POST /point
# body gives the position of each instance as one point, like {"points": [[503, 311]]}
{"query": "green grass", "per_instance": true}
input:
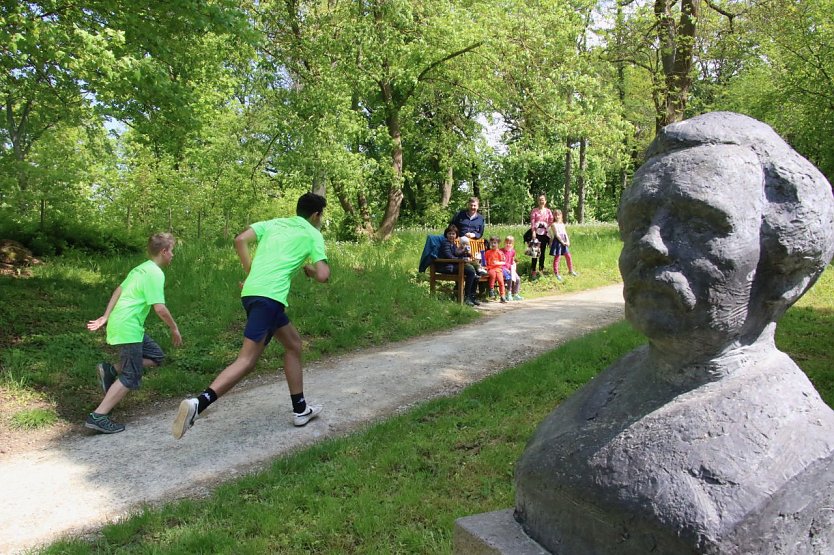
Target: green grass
{"points": [[375, 296], [33, 418], [398, 486], [394, 488]]}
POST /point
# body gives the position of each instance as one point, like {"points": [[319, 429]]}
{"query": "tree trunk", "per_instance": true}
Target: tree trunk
{"points": [[395, 192], [677, 47], [476, 181], [365, 212], [580, 181], [43, 212], [446, 189], [566, 199], [319, 184]]}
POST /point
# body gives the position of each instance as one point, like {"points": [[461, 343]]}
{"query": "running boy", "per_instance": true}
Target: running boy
{"points": [[284, 244], [143, 288]]}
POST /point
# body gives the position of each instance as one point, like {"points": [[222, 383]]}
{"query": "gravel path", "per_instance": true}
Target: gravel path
{"points": [[81, 483]]}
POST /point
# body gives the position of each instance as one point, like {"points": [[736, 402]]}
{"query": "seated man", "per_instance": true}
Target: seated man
{"points": [[469, 222], [709, 439]]}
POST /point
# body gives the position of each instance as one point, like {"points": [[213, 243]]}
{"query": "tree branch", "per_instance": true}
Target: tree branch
{"points": [[442, 60]]}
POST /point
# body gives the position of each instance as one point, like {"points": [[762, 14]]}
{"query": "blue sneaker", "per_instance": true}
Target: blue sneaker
{"points": [[518, 297], [558, 277], [102, 423], [106, 375]]}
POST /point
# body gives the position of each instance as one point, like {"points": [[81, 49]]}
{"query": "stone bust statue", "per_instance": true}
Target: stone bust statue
{"points": [[708, 439]]}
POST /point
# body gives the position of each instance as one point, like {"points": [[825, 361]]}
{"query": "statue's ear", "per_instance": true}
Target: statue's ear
{"points": [[796, 235]]}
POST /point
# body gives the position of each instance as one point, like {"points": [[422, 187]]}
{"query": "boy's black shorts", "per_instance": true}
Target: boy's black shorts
{"points": [[264, 316]]}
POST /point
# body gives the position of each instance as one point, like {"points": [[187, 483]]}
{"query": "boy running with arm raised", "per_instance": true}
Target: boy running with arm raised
{"points": [[143, 288], [284, 244]]}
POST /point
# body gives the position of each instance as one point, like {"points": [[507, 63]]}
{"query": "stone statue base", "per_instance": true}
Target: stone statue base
{"points": [[495, 533], [641, 461]]}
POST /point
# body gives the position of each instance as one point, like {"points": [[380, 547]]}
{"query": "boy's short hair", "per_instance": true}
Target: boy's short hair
{"points": [[450, 227], [309, 204], [494, 238], [159, 242]]}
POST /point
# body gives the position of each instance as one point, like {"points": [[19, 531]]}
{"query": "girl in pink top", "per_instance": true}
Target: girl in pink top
{"points": [[510, 267], [540, 219]]}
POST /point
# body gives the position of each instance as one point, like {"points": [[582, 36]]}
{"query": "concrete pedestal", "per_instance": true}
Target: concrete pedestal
{"points": [[495, 533]]}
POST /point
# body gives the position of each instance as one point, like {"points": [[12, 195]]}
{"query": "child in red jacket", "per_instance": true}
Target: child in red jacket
{"points": [[495, 262]]}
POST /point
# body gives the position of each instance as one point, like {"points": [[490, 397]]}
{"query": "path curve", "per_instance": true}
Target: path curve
{"points": [[81, 483]]}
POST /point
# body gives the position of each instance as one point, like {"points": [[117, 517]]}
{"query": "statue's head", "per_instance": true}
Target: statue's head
{"points": [[724, 227]]}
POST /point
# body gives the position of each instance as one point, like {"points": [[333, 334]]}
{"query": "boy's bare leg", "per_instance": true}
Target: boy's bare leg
{"points": [[249, 354], [115, 394], [291, 340]]}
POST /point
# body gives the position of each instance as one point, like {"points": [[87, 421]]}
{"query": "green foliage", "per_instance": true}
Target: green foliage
{"points": [[32, 419], [59, 237], [198, 117]]}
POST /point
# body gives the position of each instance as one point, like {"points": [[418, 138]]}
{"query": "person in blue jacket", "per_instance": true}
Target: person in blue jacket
{"points": [[449, 250], [469, 222]]}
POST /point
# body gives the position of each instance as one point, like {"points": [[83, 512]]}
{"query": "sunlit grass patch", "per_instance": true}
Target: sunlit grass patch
{"points": [[33, 418]]}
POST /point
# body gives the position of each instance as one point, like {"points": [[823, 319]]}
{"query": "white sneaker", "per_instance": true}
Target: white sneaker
{"points": [[186, 415], [302, 419]]}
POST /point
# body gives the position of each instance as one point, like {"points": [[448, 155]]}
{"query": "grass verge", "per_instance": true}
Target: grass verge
{"points": [[398, 486], [375, 296]]}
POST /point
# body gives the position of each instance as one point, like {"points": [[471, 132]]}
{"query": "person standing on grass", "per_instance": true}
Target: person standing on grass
{"points": [[284, 244], [143, 288], [560, 245], [540, 219]]}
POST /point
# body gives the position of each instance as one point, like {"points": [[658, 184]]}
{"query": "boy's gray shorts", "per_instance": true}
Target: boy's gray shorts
{"points": [[131, 355]]}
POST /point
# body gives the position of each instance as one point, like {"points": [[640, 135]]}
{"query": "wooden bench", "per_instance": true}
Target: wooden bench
{"points": [[457, 277]]}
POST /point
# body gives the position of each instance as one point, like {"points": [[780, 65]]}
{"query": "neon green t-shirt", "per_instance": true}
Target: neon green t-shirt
{"points": [[284, 244], [143, 287]]}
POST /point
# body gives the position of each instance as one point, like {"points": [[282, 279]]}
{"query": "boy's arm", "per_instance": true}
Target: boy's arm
{"points": [[242, 241], [320, 271], [93, 325], [162, 311]]}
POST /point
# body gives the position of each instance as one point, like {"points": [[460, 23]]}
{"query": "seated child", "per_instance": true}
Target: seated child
{"points": [[496, 261], [466, 248], [510, 273]]}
